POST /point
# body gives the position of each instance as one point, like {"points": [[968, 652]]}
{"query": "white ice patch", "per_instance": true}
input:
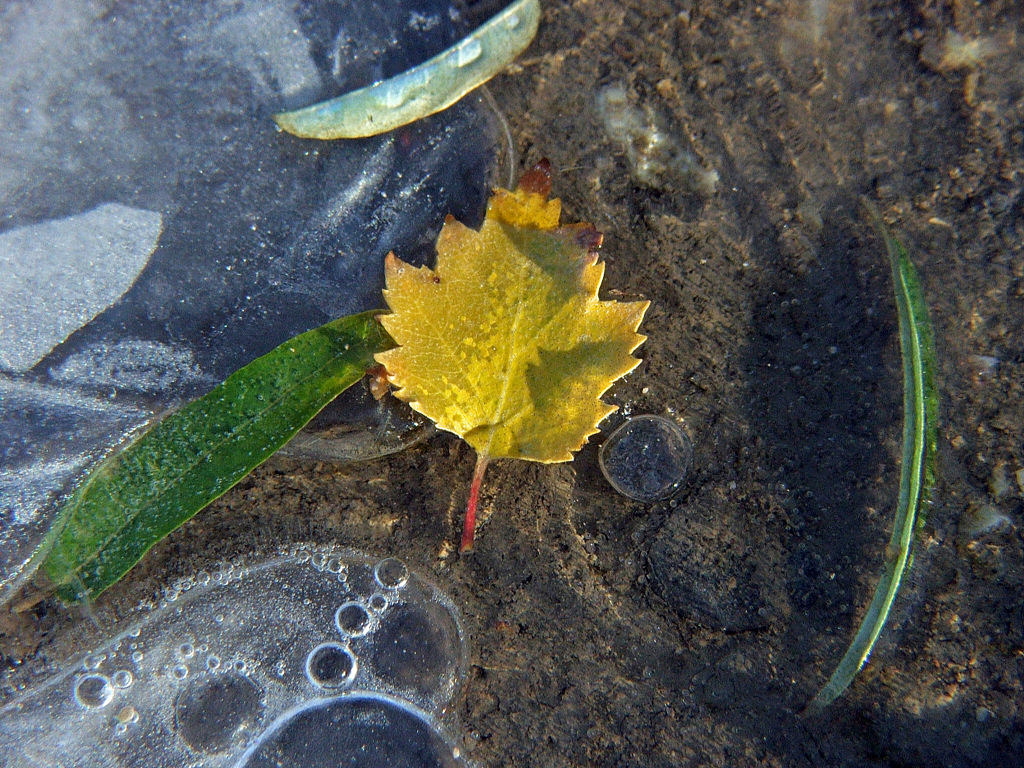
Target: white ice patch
{"points": [[39, 42], [58, 275], [265, 40], [144, 366]]}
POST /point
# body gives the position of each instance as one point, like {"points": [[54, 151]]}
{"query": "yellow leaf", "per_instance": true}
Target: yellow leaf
{"points": [[505, 343]]}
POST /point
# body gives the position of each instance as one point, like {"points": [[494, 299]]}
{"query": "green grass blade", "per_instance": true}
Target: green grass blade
{"points": [[917, 470], [142, 493]]}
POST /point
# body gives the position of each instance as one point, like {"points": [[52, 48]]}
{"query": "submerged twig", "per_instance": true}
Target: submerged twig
{"points": [[469, 524], [920, 407]]}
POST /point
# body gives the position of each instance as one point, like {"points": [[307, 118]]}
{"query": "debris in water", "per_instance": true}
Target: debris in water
{"points": [[657, 159]]}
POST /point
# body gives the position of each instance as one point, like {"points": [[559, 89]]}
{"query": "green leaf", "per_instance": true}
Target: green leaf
{"points": [[917, 470], [141, 494]]}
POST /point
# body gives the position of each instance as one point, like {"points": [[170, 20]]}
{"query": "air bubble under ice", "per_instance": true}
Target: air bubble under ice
{"points": [[255, 669], [646, 458], [157, 231]]}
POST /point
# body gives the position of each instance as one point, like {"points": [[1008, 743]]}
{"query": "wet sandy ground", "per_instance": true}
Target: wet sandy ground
{"points": [[606, 632]]}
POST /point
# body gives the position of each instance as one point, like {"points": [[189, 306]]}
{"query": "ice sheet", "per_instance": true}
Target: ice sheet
{"points": [[58, 275], [321, 655], [146, 126]]}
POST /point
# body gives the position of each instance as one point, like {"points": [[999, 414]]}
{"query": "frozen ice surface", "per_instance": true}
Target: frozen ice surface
{"points": [[265, 40], [365, 731], [318, 657], [646, 458], [48, 435], [58, 275], [157, 231]]}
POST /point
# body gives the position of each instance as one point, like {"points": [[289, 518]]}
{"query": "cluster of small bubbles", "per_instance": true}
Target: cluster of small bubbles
{"points": [[203, 578], [125, 717], [213, 673], [145, 606], [391, 573], [93, 691], [352, 619]]}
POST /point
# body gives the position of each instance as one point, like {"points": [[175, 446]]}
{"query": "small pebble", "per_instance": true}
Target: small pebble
{"points": [[981, 519], [999, 483]]}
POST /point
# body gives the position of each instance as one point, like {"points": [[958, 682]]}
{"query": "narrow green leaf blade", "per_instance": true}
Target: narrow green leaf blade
{"points": [[917, 469], [141, 494]]}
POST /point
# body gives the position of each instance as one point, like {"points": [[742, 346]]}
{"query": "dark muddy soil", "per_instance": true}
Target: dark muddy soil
{"points": [[607, 632]]}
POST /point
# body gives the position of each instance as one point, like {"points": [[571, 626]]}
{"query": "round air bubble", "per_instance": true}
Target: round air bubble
{"points": [[93, 691], [352, 619], [331, 666], [391, 573], [355, 731], [646, 458], [229, 669]]}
